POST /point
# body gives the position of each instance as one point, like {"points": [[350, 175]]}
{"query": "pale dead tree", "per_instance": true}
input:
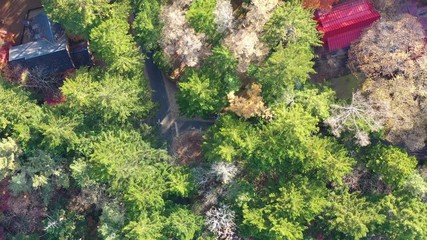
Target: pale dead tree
{"points": [[212, 183], [182, 3], [389, 48], [39, 78], [417, 186], [259, 12], [393, 54], [388, 8], [244, 41], [180, 42], [220, 221], [224, 172], [223, 15], [359, 117], [400, 104]]}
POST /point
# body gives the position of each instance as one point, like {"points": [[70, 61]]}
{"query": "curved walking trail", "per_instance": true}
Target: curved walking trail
{"points": [[171, 124]]}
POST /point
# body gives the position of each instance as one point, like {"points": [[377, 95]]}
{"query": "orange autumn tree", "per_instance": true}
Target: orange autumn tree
{"points": [[319, 4], [249, 104]]}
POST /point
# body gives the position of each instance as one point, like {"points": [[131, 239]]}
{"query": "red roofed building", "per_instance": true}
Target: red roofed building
{"points": [[345, 23]]}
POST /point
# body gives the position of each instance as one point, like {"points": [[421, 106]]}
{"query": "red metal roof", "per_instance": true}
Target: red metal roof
{"points": [[345, 22], [343, 40]]}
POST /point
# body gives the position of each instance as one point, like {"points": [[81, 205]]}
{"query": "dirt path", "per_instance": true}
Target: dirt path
{"points": [[170, 122]]}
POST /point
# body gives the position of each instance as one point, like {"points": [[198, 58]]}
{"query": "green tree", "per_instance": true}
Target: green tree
{"points": [[9, 157], [112, 220], [291, 24], [79, 16], [40, 171], [112, 42], [285, 69], [351, 216], [182, 224], [105, 97], [59, 131], [63, 225], [287, 213], [18, 113], [203, 92], [201, 17], [406, 218], [146, 227], [147, 24], [416, 186], [391, 163]]}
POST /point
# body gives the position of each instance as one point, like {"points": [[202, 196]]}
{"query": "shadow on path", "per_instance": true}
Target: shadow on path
{"points": [[167, 117]]}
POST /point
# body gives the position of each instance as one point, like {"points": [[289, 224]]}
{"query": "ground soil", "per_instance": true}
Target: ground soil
{"points": [[13, 12], [187, 148]]}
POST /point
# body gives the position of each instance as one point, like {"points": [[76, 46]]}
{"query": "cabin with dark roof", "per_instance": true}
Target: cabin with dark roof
{"points": [[45, 47], [345, 22]]}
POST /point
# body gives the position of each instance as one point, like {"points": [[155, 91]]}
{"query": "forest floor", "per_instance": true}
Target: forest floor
{"points": [[13, 12]]}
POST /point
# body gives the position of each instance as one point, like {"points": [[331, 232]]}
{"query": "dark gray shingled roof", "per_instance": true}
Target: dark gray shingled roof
{"points": [[46, 47]]}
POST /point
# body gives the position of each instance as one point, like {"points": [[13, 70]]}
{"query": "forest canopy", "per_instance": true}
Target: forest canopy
{"points": [[284, 158]]}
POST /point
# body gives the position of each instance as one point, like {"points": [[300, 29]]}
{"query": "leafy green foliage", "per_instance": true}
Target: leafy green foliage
{"points": [[201, 17], [39, 170], [350, 215], [112, 43], [416, 185], [286, 144], [106, 97], [182, 224], [283, 176], [81, 173], [292, 33], [406, 218], [59, 131], [112, 221], [391, 163], [314, 99], [285, 69], [287, 213], [291, 24], [145, 227], [203, 92], [18, 113], [79, 16], [147, 24], [63, 225], [9, 154], [123, 157]]}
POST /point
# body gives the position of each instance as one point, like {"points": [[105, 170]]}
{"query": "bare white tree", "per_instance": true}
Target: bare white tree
{"points": [[220, 221], [223, 15], [180, 43], [224, 172], [244, 42], [358, 117]]}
